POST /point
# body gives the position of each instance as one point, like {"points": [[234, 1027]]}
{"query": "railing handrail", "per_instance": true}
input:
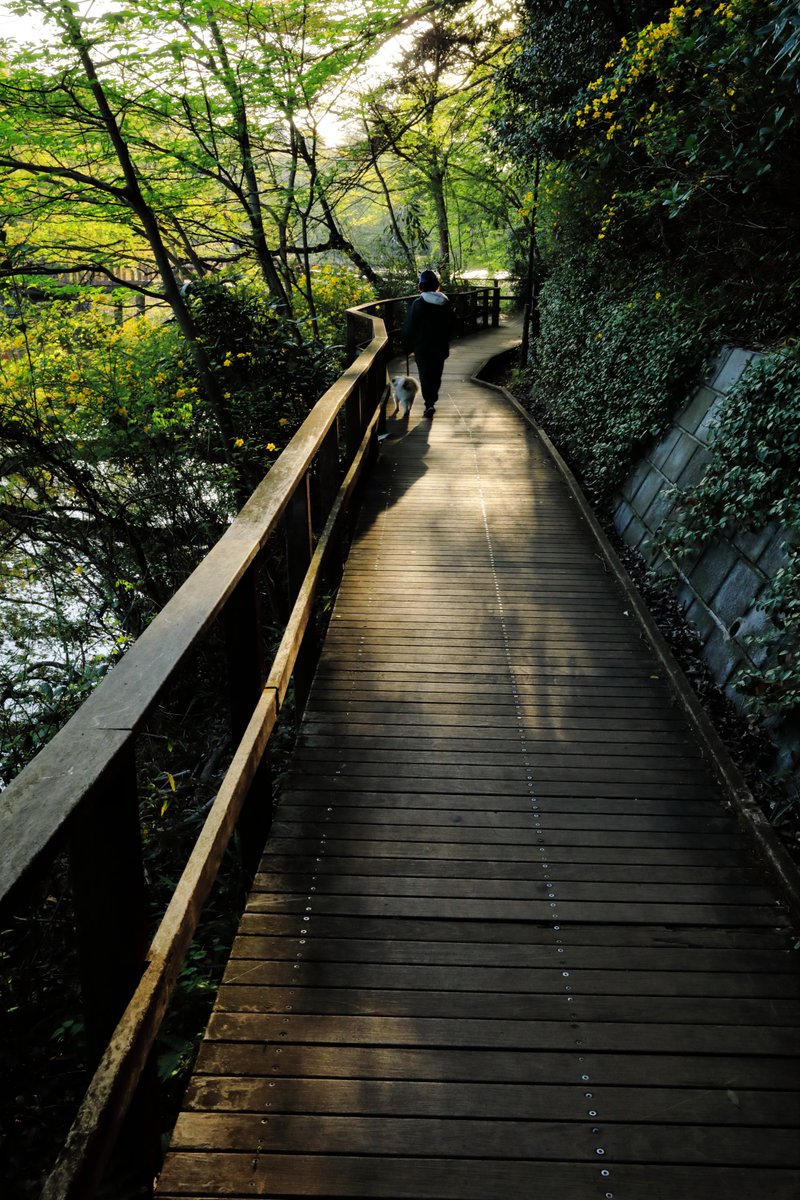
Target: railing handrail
{"points": [[122, 700], [36, 805], [78, 763]]}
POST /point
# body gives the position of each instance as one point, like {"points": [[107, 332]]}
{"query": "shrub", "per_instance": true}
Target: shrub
{"points": [[752, 480], [333, 290], [612, 361]]}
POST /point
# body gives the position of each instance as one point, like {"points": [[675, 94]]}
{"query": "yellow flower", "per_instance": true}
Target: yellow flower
{"points": [[283, 421], [180, 392], [239, 442], [658, 295], [271, 447]]}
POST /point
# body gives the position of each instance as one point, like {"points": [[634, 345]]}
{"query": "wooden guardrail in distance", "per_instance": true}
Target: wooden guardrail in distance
{"points": [[475, 309], [79, 793]]}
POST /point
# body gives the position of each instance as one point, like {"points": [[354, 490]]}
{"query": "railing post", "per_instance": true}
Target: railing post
{"points": [[351, 352], [327, 476], [108, 888], [109, 898], [379, 379], [496, 305], [246, 675], [352, 431], [299, 548], [394, 319]]}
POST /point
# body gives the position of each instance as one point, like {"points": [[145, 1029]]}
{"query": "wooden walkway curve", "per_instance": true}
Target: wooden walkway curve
{"points": [[506, 939]]}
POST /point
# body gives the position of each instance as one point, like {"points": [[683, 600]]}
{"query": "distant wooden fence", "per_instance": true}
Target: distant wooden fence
{"points": [[79, 793], [475, 309]]}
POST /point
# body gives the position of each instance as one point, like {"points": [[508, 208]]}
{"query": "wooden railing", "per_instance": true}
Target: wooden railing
{"points": [[475, 309], [80, 794]]}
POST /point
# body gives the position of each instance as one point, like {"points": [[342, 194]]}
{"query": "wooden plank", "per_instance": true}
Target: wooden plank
{"points": [[456, 717], [755, 970], [495, 765], [659, 854], [619, 1037], [497, 1101], [388, 738], [276, 1061], [500, 889], [497, 868], [480, 977], [517, 910], [529, 933], [490, 836], [319, 1134], [540, 789], [197, 1175], [507, 816], [572, 807], [458, 1006], [541, 786]]}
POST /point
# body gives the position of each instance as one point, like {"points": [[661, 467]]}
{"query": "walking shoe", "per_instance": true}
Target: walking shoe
{"points": [[429, 411]]}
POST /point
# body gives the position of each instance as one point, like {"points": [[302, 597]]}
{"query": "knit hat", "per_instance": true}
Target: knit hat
{"points": [[428, 281]]}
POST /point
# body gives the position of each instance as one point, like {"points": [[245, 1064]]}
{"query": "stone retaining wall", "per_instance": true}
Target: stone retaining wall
{"points": [[719, 588]]}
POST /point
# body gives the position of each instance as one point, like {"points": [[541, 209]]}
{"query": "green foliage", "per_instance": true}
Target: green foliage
{"points": [[666, 141], [44, 679], [752, 480], [611, 363], [271, 378], [333, 289], [112, 488], [427, 145], [103, 451], [688, 127]]}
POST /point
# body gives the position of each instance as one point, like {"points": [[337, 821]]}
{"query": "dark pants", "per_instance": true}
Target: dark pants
{"points": [[430, 367]]}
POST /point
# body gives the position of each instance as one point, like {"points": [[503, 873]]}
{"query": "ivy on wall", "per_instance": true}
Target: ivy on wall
{"points": [[613, 362], [751, 480]]}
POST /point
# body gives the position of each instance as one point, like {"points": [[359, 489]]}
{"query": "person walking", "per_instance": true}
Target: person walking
{"points": [[426, 333]]}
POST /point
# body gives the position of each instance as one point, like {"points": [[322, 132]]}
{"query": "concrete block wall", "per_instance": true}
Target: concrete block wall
{"points": [[719, 588]]}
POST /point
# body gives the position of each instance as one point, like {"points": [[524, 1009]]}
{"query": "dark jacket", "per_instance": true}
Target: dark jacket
{"points": [[429, 326]]}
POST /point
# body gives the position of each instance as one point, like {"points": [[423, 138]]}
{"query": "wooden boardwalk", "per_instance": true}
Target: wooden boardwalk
{"points": [[506, 940]]}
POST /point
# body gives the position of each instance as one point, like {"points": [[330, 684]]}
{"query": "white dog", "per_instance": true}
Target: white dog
{"points": [[404, 390]]}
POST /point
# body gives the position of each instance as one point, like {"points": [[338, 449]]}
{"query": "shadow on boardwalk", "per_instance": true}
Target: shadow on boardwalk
{"points": [[506, 939]]}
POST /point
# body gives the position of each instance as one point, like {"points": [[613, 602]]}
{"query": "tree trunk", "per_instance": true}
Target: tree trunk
{"points": [[436, 179], [255, 212], [531, 321], [411, 262], [337, 238], [134, 197]]}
